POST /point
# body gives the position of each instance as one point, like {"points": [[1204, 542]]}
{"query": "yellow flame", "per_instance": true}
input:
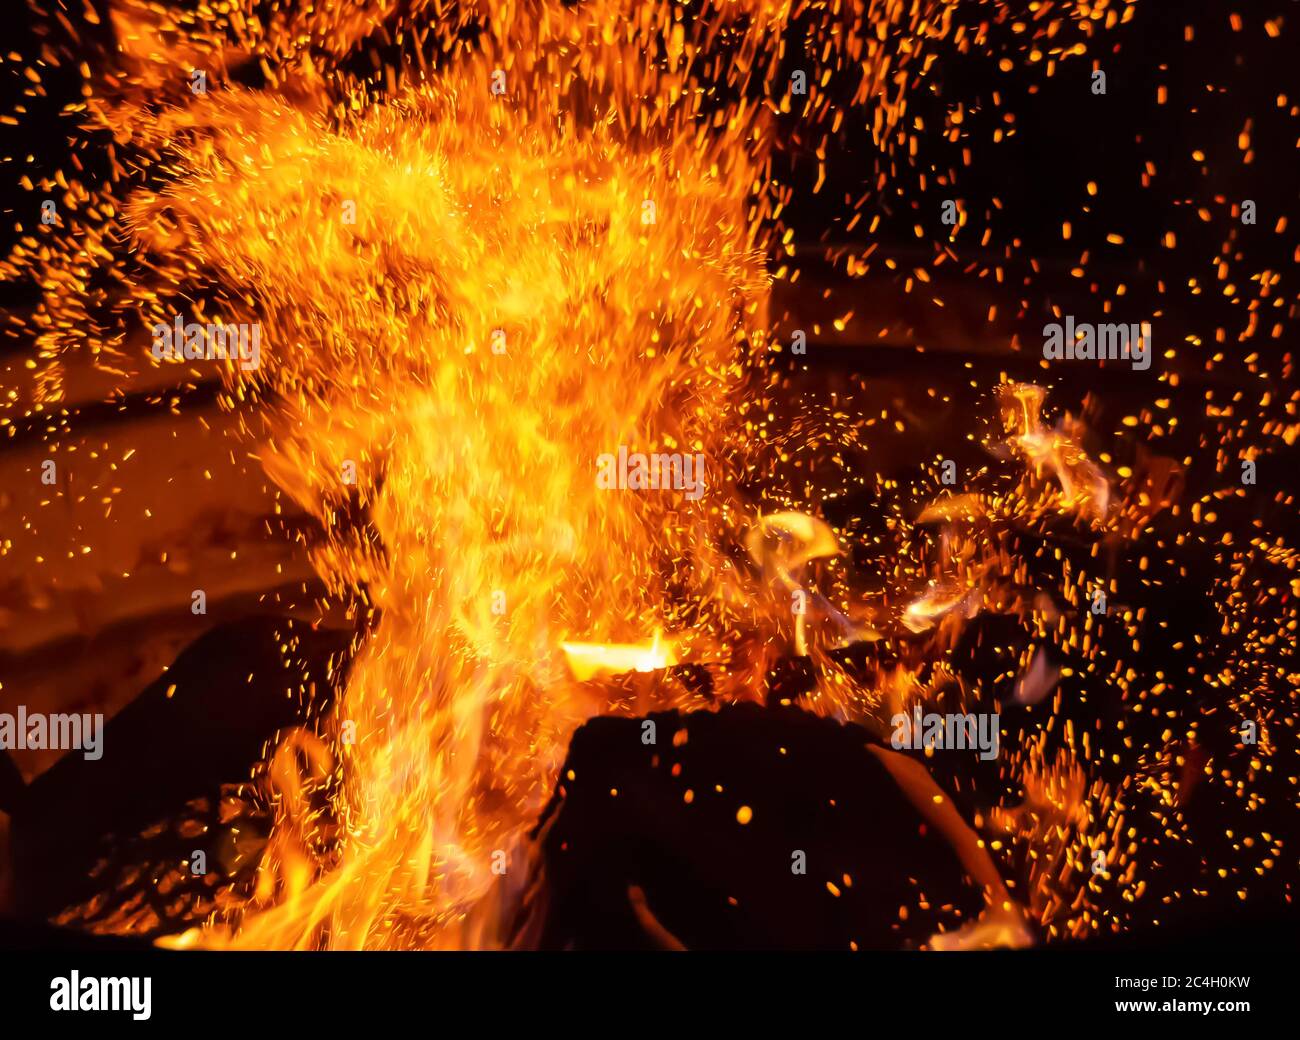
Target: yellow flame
{"points": [[588, 660]]}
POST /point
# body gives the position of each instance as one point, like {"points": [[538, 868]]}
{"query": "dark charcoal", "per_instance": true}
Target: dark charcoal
{"points": [[160, 753], [690, 858]]}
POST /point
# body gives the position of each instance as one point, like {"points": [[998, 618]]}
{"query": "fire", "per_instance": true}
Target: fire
{"points": [[1083, 488], [544, 250], [540, 236], [499, 310], [588, 660], [517, 294], [466, 293]]}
